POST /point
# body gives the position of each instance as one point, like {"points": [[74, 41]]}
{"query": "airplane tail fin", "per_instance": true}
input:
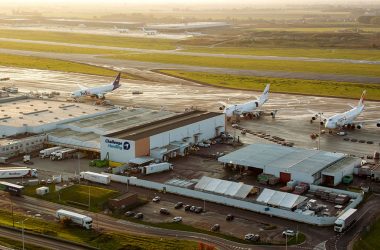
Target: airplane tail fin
{"points": [[264, 97], [116, 82], [361, 101]]}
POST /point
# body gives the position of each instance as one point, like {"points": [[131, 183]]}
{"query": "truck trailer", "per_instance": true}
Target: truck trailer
{"points": [[345, 220], [11, 188], [62, 154], [156, 168], [76, 218], [45, 153], [17, 172], [95, 177]]}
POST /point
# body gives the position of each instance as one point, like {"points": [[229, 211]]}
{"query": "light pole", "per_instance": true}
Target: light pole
{"points": [[319, 134], [22, 232]]}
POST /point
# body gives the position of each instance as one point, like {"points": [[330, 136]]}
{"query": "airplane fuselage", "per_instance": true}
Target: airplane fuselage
{"points": [[95, 91], [244, 108], [346, 118]]}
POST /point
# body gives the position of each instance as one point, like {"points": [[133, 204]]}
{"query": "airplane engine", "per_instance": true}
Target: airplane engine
{"points": [[378, 124], [314, 118], [359, 126], [322, 123], [221, 108]]}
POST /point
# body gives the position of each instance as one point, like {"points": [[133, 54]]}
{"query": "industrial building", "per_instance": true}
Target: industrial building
{"points": [[280, 199], [287, 163], [162, 139], [187, 26]]}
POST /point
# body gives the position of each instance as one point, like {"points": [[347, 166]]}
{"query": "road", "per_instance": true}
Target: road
{"points": [[109, 223], [117, 63], [38, 240], [366, 214]]}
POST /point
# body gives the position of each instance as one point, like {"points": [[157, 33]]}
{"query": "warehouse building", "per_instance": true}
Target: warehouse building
{"points": [[162, 139], [187, 26], [303, 165]]}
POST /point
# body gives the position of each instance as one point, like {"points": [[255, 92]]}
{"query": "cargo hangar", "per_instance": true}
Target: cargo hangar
{"points": [[293, 164], [119, 134]]}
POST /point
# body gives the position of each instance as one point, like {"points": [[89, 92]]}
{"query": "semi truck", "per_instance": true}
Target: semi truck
{"points": [[62, 154], [17, 172], [156, 168], [345, 220], [95, 177], [45, 153], [11, 188], [76, 218]]}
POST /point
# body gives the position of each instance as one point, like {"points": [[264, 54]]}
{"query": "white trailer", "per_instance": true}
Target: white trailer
{"points": [[157, 167], [345, 220], [76, 218], [45, 153], [95, 177], [17, 172], [62, 154]]}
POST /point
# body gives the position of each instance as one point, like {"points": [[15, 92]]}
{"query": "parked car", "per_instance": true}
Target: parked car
{"points": [[156, 199], [130, 213], [178, 205], [252, 237], [288, 233], [229, 217], [198, 210], [164, 211], [215, 228], [187, 208], [139, 216], [192, 208], [177, 219]]}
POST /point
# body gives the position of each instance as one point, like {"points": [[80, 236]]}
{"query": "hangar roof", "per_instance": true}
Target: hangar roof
{"points": [[163, 125], [274, 156]]}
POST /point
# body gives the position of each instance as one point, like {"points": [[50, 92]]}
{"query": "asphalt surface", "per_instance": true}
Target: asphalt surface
{"points": [[184, 53], [112, 63], [39, 240]]}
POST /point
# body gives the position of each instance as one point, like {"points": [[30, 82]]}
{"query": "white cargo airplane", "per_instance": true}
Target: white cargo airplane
{"points": [[98, 92], [150, 32], [249, 109], [346, 119]]}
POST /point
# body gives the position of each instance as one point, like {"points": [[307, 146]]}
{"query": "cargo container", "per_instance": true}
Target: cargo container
{"points": [[76, 218], [62, 154], [345, 220], [17, 172], [95, 177], [156, 168], [11, 188]]}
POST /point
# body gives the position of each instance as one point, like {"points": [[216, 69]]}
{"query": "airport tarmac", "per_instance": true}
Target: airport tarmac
{"points": [[292, 121]]}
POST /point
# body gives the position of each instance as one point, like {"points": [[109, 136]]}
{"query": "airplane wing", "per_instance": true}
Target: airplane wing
{"points": [[316, 113], [81, 87], [223, 103], [352, 106], [374, 121]]}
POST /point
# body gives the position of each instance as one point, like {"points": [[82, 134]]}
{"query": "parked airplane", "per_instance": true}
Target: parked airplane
{"points": [[249, 109], [150, 32], [346, 119], [98, 92]]}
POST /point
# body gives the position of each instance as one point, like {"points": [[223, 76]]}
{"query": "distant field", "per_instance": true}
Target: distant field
{"points": [[280, 65], [117, 41], [53, 48], [356, 54], [52, 64], [77, 194], [369, 240], [296, 86], [319, 29]]}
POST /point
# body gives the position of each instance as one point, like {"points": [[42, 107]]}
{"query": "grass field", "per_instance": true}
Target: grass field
{"points": [[52, 64], [297, 86], [128, 42], [289, 66], [102, 240], [369, 240], [76, 195], [54, 48], [319, 29], [14, 244], [356, 54]]}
